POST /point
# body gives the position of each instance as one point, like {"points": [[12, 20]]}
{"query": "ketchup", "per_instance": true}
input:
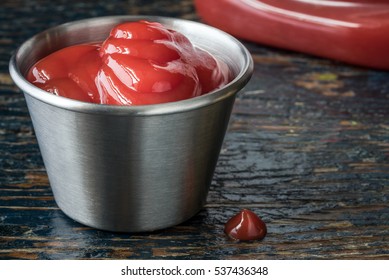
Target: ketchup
{"points": [[246, 225], [140, 63]]}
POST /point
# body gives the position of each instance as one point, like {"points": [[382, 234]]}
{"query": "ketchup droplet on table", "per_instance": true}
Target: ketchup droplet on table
{"points": [[246, 225]]}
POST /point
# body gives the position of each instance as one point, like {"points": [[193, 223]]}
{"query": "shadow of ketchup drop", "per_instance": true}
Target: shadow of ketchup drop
{"points": [[245, 226]]}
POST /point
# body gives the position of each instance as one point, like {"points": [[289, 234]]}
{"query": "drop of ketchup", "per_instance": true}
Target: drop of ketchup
{"points": [[245, 226]]}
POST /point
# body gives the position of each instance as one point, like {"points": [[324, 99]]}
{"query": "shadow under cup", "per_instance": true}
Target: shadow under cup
{"points": [[130, 168]]}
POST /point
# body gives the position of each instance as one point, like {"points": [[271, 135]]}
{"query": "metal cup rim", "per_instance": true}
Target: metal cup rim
{"points": [[140, 110]]}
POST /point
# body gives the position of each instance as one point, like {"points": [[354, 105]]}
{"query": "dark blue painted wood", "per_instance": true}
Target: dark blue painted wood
{"points": [[307, 149]]}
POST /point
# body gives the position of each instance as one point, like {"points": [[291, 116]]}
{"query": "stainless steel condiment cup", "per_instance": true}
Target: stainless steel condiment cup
{"points": [[130, 168]]}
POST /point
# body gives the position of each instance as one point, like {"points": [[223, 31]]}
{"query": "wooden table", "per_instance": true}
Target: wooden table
{"points": [[307, 149]]}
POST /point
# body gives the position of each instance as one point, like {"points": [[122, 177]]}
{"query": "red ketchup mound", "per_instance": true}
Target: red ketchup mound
{"points": [[245, 226], [140, 63]]}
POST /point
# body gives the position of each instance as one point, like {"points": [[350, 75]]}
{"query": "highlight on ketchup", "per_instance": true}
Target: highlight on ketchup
{"points": [[140, 63], [245, 226]]}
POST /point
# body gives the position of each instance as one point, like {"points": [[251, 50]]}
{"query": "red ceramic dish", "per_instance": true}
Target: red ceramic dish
{"points": [[353, 31]]}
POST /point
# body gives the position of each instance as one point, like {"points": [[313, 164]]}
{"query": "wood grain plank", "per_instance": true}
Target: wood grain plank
{"points": [[307, 149]]}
